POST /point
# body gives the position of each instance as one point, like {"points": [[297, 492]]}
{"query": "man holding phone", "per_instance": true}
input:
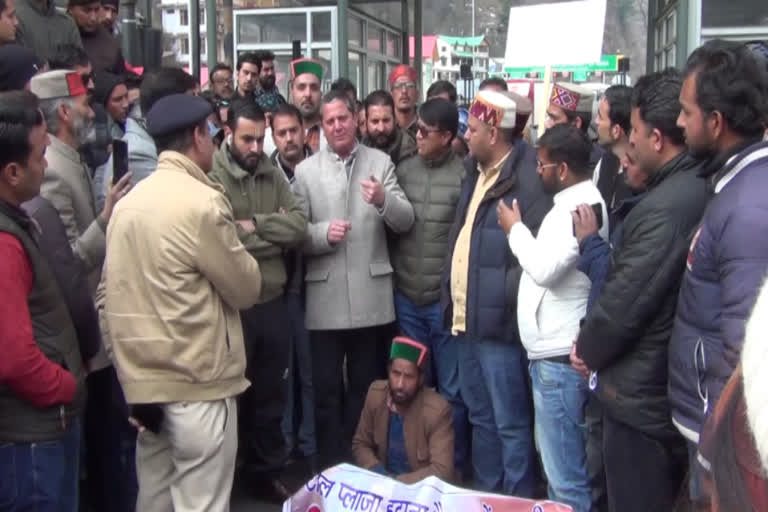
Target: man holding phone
{"points": [[552, 300]]}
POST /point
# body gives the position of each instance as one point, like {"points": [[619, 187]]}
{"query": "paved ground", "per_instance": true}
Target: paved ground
{"points": [[242, 503]]}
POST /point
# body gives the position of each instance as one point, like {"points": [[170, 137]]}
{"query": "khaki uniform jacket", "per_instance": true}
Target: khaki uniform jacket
{"points": [[67, 185], [176, 275], [428, 429], [349, 285], [259, 197]]}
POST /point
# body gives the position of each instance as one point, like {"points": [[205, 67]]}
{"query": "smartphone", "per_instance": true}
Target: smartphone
{"points": [[119, 160], [598, 209]]}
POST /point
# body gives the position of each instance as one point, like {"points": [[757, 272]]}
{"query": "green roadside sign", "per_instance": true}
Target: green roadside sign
{"points": [[608, 63]]}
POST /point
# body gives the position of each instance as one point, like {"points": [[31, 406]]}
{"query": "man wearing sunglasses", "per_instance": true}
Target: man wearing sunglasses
{"points": [[431, 181], [405, 91]]}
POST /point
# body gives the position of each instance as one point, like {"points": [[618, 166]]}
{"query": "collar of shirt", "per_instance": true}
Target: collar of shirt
{"points": [[572, 191], [350, 160], [494, 169]]}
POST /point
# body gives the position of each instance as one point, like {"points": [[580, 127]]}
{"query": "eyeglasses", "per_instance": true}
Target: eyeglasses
{"points": [[540, 165], [404, 85], [424, 131]]}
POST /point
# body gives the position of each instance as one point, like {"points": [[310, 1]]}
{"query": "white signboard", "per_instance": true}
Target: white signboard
{"points": [[348, 488], [565, 33]]}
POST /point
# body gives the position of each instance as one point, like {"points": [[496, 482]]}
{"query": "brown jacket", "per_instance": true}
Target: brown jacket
{"points": [[428, 427]]}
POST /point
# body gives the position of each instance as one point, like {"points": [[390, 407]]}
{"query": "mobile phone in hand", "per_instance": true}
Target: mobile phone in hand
{"points": [[598, 209], [119, 160]]}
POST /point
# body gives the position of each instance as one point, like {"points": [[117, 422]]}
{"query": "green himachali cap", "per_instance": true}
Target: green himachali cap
{"points": [[408, 349], [301, 66]]}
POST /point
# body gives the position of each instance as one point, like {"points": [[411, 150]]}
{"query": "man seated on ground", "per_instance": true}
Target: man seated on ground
{"points": [[400, 417]]}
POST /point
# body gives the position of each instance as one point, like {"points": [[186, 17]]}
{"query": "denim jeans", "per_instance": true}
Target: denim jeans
{"points": [[301, 377], [41, 477], [560, 395], [424, 324], [494, 385]]}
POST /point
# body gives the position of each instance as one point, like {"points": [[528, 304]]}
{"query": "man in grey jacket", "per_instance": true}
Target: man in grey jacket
{"points": [[43, 29], [350, 195]]}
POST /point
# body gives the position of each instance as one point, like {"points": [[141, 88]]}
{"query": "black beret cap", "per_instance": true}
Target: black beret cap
{"points": [[176, 112]]}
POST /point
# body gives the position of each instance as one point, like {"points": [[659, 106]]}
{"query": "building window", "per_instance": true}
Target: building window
{"points": [[184, 17], [734, 13], [202, 15], [443, 61], [184, 45], [666, 41]]}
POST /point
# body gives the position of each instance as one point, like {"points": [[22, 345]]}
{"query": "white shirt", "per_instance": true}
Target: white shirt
{"points": [[553, 293], [269, 141]]}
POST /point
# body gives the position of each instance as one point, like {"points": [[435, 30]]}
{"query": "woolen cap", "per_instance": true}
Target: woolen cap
{"points": [[402, 70], [572, 97], [17, 66], [495, 109], [176, 112], [408, 349], [62, 83], [301, 66]]}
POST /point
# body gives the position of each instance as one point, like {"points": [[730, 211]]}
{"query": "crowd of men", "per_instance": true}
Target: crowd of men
{"points": [[410, 286]]}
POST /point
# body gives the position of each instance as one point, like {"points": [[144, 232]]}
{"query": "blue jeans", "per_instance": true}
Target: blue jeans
{"points": [[424, 324], [494, 385], [301, 375], [696, 472], [41, 477], [560, 396]]}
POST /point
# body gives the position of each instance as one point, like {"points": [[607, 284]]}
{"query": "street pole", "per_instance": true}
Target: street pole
{"points": [[418, 50], [211, 34], [194, 39], [343, 37], [473, 18]]}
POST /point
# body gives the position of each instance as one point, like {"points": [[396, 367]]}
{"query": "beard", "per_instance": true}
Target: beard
{"points": [[308, 110], [550, 186], [248, 162], [84, 130], [382, 140], [399, 398], [268, 83]]}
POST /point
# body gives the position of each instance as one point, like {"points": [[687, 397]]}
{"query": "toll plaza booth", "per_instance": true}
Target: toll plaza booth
{"points": [[360, 40]]}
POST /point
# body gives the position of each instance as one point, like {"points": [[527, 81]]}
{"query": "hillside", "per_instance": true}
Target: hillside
{"points": [[626, 24]]}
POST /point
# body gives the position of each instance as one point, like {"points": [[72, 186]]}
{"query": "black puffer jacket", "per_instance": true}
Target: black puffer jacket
{"points": [[626, 335]]}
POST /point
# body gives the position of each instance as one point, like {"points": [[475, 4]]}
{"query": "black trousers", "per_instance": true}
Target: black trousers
{"points": [[337, 412], [642, 474], [110, 446], [266, 328], [595, 468]]}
